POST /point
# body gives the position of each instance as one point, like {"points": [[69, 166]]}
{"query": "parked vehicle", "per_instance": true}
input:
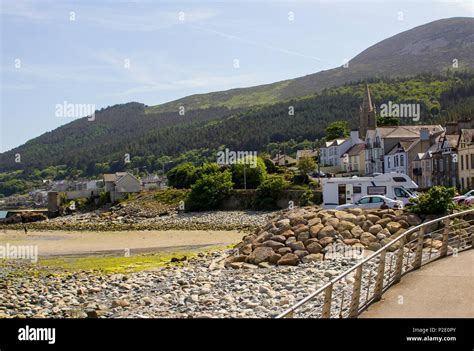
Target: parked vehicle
{"points": [[468, 201], [373, 201], [348, 190], [460, 199]]}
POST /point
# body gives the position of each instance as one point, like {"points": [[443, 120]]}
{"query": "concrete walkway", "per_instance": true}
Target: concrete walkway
{"points": [[441, 289]]}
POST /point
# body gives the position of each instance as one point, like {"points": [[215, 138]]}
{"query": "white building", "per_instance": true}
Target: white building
{"points": [[333, 150]]}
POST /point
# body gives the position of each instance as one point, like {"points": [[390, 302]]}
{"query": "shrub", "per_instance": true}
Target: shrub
{"points": [[268, 193], [307, 198], [300, 179], [182, 176], [271, 167], [104, 198], [437, 200], [209, 191], [254, 176]]}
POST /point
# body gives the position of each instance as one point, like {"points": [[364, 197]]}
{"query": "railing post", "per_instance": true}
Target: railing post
{"points": [[354, 308], [419, 249], [444, 246], [380, 275], [326, 312], [399, 262]]}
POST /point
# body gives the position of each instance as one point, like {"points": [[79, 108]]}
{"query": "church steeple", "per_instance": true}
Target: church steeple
{"points": [[367, 113]]}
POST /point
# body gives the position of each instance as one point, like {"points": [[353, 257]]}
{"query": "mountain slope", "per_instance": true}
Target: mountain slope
{"points": [[430, 47]]}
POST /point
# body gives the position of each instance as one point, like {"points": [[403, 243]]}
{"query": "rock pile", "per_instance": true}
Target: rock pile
{"points": [[308, 234]]}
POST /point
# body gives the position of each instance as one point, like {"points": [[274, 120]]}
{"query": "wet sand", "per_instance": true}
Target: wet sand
{"points": [[58, 243]]}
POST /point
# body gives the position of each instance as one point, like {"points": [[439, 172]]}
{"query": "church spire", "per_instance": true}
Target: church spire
{"points": [[367, 117], [367, 101]]}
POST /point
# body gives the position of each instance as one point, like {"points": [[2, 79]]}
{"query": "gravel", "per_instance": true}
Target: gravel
{"points": [[202, 288]]}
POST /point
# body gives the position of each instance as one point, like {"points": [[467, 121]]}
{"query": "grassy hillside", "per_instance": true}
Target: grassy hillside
{"points": [[430, 48]]}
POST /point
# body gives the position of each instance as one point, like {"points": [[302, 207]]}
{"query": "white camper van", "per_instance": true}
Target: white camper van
{"points": [[340, 191]]}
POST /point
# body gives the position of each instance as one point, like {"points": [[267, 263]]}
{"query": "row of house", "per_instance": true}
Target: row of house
{"points": [[118, 185], [429, 154]]}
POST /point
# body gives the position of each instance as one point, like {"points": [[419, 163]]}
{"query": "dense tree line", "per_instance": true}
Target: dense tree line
{"points": [[129, 137]]}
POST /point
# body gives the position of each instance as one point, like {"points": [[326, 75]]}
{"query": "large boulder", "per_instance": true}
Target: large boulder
{"points": [[260, 254], [346, 216], [331, 221], [289, 259], [413, 219], [375, 229], [357, 231], [367, 238], [312, 258], [366, 225], [297, 245], [384, 221], [345, 225], [314, 230], [314, 248], [314, 221], [279, 238], [286, 233], [284, 250], [302, 236], [327, 231], [275, 245], [393, 227], [326, 241], [372, 217], [301, 253]]}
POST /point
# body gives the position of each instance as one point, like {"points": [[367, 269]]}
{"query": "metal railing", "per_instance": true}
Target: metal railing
{"points": [[348, 294]]}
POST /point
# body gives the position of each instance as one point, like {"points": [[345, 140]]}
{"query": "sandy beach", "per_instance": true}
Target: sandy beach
{"points": [[52, 243]]}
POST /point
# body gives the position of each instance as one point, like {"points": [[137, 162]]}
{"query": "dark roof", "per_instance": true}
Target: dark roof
{"points": [[356, 149]]}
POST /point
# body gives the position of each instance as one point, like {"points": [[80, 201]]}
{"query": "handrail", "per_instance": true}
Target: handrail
{"points": [[379, 288]]}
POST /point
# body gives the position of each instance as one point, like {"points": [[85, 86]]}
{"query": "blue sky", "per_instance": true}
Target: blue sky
{"points": [[47, 58]]}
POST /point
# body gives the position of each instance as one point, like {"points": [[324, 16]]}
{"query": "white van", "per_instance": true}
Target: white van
{"points": [[347, 190]]}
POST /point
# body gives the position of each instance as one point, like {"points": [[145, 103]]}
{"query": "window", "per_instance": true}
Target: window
{"points": [[376, 190], [462, 163], [364, 200], [401, 193], [388, 162], [395, 163], [472, 161], [399, 179], [467, 162], [402, 161], [357, 190], [377, 200]]}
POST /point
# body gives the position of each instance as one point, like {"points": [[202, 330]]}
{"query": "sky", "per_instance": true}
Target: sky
{"points": [[102, 52]]}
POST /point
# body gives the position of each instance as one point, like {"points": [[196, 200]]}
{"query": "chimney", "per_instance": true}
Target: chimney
{"points": [[425, 141], [355, 137]]}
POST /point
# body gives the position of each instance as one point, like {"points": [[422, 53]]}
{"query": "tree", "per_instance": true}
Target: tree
{"points": [[182, 176], [269, 192], [209, 191], [250, 175], [306, 164], [388, 121], [337, 129], [437, 200]]}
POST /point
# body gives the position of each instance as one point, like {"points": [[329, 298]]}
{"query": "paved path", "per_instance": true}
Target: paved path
{"points": [[441, 289]]}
